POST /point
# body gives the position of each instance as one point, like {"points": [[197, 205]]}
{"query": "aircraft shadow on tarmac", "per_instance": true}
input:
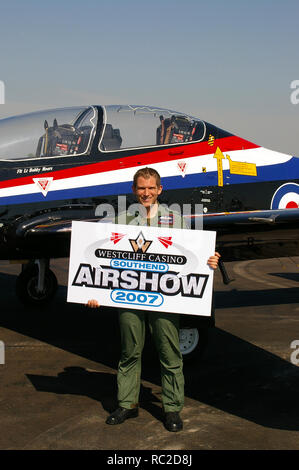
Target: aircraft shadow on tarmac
{"points": [[249, 298], [234, 375], [290, 276]]}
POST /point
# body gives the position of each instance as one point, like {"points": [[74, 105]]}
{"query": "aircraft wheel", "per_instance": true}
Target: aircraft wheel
{"points": [[193, 342], [26, 287]]}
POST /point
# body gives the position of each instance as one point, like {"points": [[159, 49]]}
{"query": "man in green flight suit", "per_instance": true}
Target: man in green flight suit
{"points": [[164, 326]]}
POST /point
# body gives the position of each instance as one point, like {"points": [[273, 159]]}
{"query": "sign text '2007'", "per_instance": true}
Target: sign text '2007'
{"points": [[139, 298]]}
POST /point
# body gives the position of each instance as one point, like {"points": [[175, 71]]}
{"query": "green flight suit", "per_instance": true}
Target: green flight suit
{"points": [[164, 328]]}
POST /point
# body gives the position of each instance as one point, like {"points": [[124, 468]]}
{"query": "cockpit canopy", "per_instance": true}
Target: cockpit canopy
{"points": [[131, 126], [66, 131], [70, 131]]}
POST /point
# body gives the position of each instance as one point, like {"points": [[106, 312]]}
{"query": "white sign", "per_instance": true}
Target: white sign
{"points": [[148, 268]]}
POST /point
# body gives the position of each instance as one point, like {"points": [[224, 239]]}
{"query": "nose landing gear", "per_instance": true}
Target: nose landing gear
{"points": [[37, 284]]}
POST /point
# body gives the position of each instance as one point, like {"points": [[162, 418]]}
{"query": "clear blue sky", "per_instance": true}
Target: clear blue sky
{"points": [[228, 62]]}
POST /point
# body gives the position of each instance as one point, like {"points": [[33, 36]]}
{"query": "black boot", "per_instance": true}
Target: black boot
{"points": [[173, 422], [121, 414]]}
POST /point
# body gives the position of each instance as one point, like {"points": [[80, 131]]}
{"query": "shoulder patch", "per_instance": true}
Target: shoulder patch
{"points": [[166, 219]]}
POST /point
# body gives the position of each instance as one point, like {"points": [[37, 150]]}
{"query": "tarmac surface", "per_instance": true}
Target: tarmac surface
{"points": [[58, 383]]}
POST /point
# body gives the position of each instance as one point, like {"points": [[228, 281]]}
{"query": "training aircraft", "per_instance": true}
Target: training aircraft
{"points": [[60, 165]]}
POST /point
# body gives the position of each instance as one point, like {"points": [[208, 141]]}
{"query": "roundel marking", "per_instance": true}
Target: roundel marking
{"points": [[286, 197]]}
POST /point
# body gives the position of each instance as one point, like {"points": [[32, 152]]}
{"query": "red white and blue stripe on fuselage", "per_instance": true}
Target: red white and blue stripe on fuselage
{"points": [[114, 176]]}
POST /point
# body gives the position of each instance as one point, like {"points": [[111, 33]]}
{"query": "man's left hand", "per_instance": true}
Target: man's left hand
{"points": [[213, 260]]}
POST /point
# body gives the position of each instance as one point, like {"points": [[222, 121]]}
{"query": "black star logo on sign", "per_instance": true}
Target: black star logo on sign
{"points": [[140, 244]]}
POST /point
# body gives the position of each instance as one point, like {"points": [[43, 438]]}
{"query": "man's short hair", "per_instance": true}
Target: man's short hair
{"points": [[146, 173]]}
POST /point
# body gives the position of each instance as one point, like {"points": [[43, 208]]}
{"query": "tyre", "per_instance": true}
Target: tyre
{"points": [[26, 287], [193, 342]]}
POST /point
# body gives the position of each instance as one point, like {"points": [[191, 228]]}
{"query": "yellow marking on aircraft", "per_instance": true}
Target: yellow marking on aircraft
{"points": [[241, 168], [219, 155], [211, 140]]}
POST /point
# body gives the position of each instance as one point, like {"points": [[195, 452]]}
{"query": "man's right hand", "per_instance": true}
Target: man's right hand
{"points": [[93, 303]]}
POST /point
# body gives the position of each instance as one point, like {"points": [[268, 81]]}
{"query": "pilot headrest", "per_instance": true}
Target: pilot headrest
{"points": [[108, 131]]}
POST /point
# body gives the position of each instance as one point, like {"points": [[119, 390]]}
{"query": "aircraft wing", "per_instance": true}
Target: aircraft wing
{"points": [[240, 235], [254, 234]]}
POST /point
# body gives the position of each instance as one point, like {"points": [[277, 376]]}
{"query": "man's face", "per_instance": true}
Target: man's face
{"points": [[147, 191]]}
